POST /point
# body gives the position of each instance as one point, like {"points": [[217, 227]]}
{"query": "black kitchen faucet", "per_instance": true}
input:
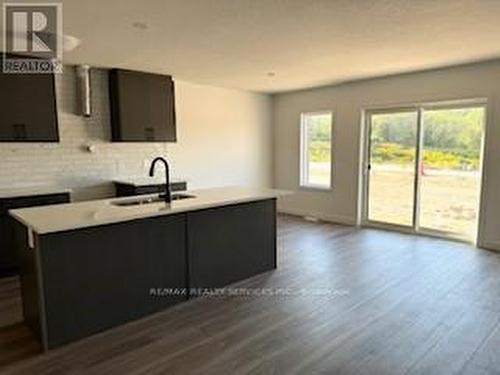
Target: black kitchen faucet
{"points": [[168, 195]]}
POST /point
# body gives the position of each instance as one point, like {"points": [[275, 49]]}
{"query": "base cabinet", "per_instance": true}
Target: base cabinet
{"points": [[9, 259], [79, 282], [101, 277], [231, 243]]}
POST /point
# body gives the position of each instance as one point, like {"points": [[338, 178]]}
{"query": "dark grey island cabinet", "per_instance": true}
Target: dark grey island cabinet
{"points": [[79, 282], [227, 244]]}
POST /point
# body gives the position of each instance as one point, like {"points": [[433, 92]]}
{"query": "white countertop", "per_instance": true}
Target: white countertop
{"points": [[30, 190], [68, 216], [145, 181]]}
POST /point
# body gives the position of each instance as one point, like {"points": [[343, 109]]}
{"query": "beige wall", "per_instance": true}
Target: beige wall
{"points": [[348, 101], [224, 138]]}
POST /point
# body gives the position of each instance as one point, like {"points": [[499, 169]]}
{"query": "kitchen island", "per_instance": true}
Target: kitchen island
{"points": [[90, 266]]}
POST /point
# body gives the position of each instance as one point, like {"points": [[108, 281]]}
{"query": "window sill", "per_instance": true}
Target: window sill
{"points": [[314, 188]]}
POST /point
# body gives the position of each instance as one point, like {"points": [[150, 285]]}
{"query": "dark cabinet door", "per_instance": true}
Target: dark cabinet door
{"points": [[100, 277], [29, 111], [134, 98], [162, 109], [8, 259], [142, 107], [231, 243]]}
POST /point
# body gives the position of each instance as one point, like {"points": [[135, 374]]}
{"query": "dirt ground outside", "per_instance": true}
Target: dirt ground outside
{"points": [[449, 198]]}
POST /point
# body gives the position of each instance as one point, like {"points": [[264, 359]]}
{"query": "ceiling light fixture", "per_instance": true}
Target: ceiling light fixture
{"points": [[140, 25], [69, 42]]}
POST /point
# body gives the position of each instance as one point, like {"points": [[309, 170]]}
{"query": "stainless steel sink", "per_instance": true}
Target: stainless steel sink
{"points": [[157, 199]]}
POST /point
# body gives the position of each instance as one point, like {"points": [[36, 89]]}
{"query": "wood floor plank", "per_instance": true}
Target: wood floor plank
{"points": [[376, 317], [486, 359], [397, 304]]}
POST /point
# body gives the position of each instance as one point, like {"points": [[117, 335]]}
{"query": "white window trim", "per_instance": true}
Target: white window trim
{"points": [[303, 165]]}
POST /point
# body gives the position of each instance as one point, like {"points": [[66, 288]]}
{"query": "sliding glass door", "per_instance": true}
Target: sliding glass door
{"points": [[450, 175], [393, 152], [423, 169]]}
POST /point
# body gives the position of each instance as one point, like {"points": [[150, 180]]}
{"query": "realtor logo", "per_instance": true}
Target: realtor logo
{"points": [[32, 38]]}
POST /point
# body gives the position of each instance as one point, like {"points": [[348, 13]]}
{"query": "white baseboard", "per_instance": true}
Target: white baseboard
{"points": [[490, 245], [322, 216], [350, 221]]}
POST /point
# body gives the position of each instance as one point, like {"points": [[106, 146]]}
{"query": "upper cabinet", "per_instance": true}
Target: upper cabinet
{"points": [[142, 107], [29, 112]]}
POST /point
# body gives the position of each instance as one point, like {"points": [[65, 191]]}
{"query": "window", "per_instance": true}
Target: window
{"points": [[316, 150]]}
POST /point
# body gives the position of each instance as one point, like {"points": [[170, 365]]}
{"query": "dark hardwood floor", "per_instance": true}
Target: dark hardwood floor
{"points": [[351, 302]]}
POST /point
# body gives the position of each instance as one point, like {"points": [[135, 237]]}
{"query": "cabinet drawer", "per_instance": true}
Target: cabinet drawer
{"points": [[38, 200], [178, 186], [149, 189], [125, 190]]}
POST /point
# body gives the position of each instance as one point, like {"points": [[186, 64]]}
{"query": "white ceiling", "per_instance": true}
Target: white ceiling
{"points": [[236, 43]]}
